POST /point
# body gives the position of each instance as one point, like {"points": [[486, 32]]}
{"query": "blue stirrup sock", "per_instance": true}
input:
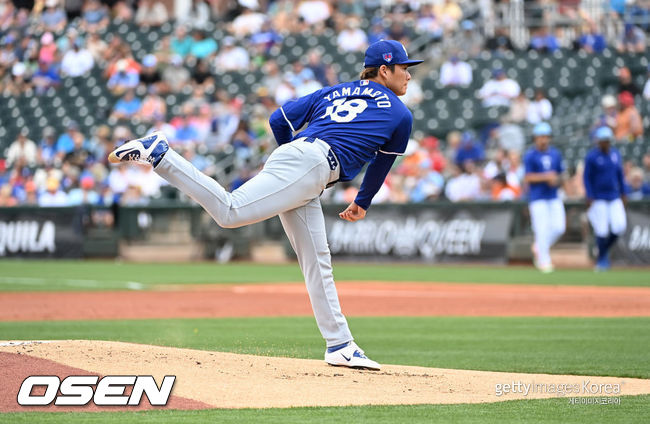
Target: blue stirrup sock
{"points": [[611, 240], [603, 247], [337, 347]]}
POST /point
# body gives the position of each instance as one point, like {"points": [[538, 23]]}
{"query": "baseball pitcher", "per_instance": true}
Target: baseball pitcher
{"points": [[348, 125]]}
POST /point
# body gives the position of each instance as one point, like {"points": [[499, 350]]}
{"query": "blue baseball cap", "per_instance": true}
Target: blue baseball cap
{"points": [[603, 133], [467, 25], [467, 138], [387, 52], [496, 72], [542, 129]]}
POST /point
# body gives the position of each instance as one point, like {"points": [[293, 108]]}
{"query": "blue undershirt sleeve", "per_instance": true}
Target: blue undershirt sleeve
{"points": [[374, 178], [381, 164]]}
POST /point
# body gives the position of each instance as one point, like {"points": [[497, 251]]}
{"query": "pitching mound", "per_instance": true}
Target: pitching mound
{"points": [[227, 380]]}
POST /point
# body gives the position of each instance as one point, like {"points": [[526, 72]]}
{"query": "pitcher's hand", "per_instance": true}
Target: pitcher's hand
{"points": [[353, 213]]}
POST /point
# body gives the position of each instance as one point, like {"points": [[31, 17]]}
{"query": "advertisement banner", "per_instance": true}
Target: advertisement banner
{"points": [[633, 248], [40, 233], [431, 235]]}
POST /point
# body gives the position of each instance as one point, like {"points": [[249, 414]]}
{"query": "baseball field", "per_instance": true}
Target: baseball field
{"points": [[460, 344]]}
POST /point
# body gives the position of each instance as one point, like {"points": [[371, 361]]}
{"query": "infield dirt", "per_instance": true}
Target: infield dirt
{"points": [[357, 299]]}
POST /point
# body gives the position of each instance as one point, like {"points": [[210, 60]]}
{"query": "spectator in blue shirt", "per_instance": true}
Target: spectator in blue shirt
{"points": [[429, 184], [65, 142], [47, 148], [377, 31], [123, 79], [186, 132], [544, 42], [633, 40], [53, 17], [94, 17], [45, 77], [85, 193], [640, 13], [181, 42], [127, 106], [202, 47], [265, 38], [592, 41], [469, 149]]}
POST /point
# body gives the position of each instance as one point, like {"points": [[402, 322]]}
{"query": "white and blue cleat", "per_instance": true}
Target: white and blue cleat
{"points": [[149, 149], [351, 356]]}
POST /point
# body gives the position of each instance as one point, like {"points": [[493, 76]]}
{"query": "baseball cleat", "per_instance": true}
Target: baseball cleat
{"points": [[149, 149], [545, 268], [602, 265], [351, 356]]}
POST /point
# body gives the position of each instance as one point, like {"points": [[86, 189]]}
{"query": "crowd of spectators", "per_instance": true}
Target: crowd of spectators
{"points": [[468, 172], [54, 41]]}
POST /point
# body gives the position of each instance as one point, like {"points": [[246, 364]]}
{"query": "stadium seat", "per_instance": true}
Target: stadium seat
{"points": [[574, 81]]}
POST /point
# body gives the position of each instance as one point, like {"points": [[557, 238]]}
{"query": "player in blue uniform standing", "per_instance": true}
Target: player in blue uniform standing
{"points": [[544, 169], [605, 190], [349, 125]]}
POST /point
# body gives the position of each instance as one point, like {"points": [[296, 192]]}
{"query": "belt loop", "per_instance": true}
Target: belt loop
{"points": [[331, 157], [332, 160]]}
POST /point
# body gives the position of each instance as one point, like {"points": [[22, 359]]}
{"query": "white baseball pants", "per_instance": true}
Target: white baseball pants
{"points": [[549, 222], [289, 185], [607, 216]]}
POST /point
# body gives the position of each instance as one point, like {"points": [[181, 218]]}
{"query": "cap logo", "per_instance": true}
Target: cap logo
{"points": [[388, 57]]}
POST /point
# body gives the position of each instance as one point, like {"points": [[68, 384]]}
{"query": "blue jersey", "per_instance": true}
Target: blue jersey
{"points": [[536, 161], [362, 121], [603, 175]]}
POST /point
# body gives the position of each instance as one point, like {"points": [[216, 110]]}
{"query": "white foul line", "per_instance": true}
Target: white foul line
{"points": [[131, 285]]}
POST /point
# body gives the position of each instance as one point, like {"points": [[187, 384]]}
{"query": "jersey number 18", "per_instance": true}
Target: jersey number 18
{"points": [[343, 110]]}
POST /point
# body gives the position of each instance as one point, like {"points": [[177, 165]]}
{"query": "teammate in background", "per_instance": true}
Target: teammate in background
{"points": [[543, 165], [349, 125], [605, 189]]}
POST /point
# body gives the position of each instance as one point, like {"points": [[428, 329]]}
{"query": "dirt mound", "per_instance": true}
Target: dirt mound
{"points": [[228, 380], [16, 367]]}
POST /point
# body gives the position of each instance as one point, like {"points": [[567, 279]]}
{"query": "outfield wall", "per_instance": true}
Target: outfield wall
{"points": [[430, 233]]}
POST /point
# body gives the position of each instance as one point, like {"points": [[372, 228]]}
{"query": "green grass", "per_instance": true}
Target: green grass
{"points": [[20, 275], [631, 409], [587, 346]]}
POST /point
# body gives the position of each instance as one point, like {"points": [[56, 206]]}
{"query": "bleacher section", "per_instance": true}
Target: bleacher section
{"points": [[574, 82]]}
